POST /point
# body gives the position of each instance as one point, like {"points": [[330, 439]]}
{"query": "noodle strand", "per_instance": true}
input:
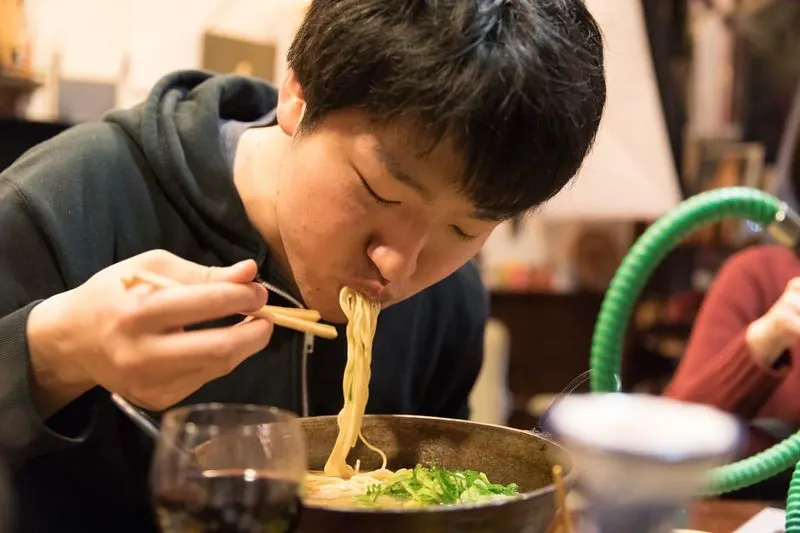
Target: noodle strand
{"points": [[340, 481], [362, 321]]}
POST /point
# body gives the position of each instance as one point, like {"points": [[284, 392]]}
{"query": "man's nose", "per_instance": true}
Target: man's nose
{"points": [[397, 258]]}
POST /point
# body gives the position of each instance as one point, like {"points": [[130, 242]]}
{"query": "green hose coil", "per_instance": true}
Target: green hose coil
{"points": [[634, 271], [792, 524]]}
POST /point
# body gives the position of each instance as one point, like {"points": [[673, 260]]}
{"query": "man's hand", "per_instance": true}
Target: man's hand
{"points": [[779, 328], [131, 340]]}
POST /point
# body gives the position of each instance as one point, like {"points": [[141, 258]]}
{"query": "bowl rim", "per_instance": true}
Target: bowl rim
{"points": [[569, 478]]}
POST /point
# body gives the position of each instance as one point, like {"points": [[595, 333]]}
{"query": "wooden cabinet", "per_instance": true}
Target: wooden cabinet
{"points": [[551, 337]]}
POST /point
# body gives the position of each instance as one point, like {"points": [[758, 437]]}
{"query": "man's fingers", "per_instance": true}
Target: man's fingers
{"points": [[245, 321], [187, 272], [176, 307], [241, 272], [214, 351], [160, 393]]}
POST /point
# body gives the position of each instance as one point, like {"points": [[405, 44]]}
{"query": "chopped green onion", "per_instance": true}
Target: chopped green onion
{"points": [[437, 486]]}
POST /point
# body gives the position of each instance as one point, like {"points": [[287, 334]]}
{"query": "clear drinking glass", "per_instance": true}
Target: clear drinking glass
{"points": [[225, 468]]}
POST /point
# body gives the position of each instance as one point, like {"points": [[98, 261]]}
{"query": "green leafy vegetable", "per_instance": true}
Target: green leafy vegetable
{"points": [[436, 486]]}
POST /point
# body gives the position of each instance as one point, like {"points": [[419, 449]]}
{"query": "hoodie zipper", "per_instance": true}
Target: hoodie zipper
{"points": [[308, 343]]}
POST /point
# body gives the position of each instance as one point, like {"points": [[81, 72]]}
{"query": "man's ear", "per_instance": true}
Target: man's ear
{"points": [[291, 105]]}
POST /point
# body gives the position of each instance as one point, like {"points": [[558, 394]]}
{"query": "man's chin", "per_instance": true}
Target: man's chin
{"points": [[337, 318], [332, 313], [329, 313]]}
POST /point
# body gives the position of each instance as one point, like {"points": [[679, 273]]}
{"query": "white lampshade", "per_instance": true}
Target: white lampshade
{"points": [[630, 173]]}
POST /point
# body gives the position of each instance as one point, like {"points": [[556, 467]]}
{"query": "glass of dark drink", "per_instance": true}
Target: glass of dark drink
{"points": [[223, 468]]}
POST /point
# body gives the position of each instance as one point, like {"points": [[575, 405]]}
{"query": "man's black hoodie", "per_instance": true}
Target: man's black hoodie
{"points": [[156, 176]]}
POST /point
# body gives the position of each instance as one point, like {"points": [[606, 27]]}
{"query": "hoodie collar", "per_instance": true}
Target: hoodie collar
{"points": [[178, 130]]}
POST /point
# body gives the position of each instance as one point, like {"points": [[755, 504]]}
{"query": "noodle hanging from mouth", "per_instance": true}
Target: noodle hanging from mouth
{"points": [[362, 320], [341, 485]]}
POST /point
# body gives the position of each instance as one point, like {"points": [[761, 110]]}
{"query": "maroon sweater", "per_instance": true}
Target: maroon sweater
{"points": [[718, 368]]}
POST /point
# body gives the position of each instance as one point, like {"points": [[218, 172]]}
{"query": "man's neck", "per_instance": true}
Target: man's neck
{"points": [[256, 172]]}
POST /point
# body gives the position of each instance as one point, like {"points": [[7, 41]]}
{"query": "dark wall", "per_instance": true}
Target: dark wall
{"points": [[17, 136]]}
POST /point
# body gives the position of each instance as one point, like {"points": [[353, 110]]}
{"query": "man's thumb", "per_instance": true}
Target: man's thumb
{"points": [[241, 272]]}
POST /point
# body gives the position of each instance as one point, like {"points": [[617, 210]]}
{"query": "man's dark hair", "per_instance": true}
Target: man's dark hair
{"points": [[518, 86]]}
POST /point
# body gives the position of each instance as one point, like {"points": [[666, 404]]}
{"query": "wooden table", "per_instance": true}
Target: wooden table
{"points": [[724, 516], [715, 516]]}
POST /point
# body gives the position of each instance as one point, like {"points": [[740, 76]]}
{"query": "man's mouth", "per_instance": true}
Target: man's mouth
{"points": [[373, 290]]}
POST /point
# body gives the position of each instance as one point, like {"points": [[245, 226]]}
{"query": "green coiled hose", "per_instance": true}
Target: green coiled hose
{"points": [[631, 276], [792, 524]]}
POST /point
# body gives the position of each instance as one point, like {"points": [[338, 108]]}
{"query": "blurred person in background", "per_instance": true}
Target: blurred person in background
{"points": [[743, 354]]}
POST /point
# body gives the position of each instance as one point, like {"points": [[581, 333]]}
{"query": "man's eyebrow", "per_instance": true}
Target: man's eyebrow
{"points": [[394, 167], [392, 164]]}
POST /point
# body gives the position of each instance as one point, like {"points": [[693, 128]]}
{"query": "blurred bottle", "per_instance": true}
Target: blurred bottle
{"points": [[13, 41]]}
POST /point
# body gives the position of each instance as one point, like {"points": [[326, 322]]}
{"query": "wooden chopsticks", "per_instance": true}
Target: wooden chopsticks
{"points": [[562, 512], [304, 320]]}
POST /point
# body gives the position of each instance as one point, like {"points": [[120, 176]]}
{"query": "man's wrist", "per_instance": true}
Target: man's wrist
{"points": [[55, 379]]}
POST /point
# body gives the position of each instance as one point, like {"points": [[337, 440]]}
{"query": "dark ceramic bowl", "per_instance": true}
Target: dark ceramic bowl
{"points": [[506, 456]]}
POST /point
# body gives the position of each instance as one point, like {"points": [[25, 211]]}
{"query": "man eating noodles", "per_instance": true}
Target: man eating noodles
{"points": [[405, 131]]}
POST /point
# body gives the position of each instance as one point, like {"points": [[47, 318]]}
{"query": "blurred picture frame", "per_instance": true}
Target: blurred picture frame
{"points": [[721, 162], [224, 54], [724, 162]]}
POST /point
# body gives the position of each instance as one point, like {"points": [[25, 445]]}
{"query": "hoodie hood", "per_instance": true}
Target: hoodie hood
{"points": [[177, 129]]}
